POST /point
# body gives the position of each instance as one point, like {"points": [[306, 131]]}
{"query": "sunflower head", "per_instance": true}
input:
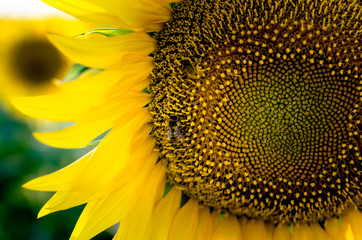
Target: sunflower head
{"points": [[249, 111], [29, 62], [266, 98], [36, 61]]}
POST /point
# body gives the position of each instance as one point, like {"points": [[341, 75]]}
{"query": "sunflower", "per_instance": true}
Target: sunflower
{"points": [[28, 61], [226, 120]]}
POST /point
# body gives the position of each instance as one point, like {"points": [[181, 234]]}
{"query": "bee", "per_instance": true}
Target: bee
{"points": [[192, 70], [173, 133]]}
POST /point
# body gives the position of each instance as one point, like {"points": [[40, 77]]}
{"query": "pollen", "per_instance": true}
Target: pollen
{"points": [[257, 106]]}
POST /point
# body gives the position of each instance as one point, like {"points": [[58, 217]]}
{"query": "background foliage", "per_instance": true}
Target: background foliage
{"points": [[22, 158]]}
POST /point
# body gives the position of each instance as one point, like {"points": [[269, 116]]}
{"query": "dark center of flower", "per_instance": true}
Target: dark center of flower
{"points": [[257, 106], [36, 61]]}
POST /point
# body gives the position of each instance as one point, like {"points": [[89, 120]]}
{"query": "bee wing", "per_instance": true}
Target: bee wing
{"points": [[169, 133], [178, 135]]}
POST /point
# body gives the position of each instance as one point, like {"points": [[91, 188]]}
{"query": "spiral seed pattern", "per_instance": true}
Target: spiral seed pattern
{"points": [[257, 106]]}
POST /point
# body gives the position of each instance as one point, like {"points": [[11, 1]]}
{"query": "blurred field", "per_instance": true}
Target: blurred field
{"points": [[21, 159]]}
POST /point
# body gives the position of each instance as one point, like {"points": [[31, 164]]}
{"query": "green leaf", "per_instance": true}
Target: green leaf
{"points": [[168, 187], [172, 4], [145, 90], [109, 32], [94, 143], [340, 220], [74, 72], [184, 199], [291, 229]]}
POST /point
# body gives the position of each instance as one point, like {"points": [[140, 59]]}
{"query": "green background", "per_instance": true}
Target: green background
{"points": [[22, 158]]}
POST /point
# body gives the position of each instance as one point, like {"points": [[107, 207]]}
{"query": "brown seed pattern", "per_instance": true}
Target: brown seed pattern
{"points": [[267, 98]]}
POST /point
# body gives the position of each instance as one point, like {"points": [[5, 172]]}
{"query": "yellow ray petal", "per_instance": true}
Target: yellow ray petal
{"points": [[103, 52], [243, 221], [318, 232], [86, 11], [144, 153], [302, 232], [65, 200], [134, 226], [216, 219], [282, 232], [354, 220], [61, 180], [57, 197], [204, 229], [255, 229], [99, 216], [348, 233], [96, 83], [54, 107], [135, 70], [136, 64], [185, 222], [228, 229], [141, 15], [103, 213], [113, 151], [163, 215], [333, 228], [96, 121], [269, 227], [74, 198]]}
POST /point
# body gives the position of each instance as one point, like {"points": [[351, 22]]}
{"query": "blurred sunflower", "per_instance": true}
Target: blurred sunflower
{"points": [[28, 61], [228, 120]]}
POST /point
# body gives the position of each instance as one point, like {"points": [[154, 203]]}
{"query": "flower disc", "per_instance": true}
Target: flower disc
{"points": [[36, 61], [257, 106]]}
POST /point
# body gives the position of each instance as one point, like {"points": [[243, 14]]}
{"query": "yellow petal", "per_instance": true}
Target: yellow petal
{"points": [[86, 11], [144, 153], [68, 199], [135, 70], [65, 200], [269, 227], [141, 15], [101, 214], [61, 180], [243, 221], [302, 232], [96, 121], [134, 226], [185, 222], [228, 229], [333, 228], [159, 225], [96, 83], [57, 197], [93, 192], [318, 232], [103, 52], [282, 232], [354, 220], [204, 229], [113, 153], [349, 228], [216, 219], [55, 107], [255, 229], [348, 233]]}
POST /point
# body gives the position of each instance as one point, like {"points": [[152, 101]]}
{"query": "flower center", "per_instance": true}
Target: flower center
{"points": [[36, 61], [257, 107]]}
